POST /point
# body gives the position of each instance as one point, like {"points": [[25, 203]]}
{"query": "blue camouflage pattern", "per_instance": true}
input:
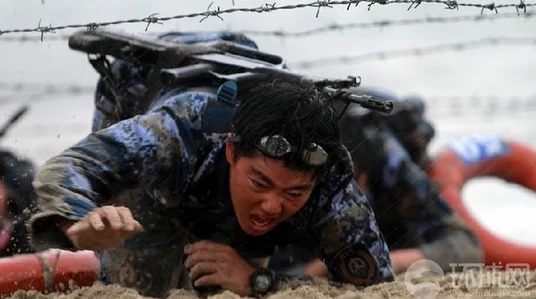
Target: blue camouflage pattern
{"points": [[133, 78], [391, 169], [410, 210], [168, 166]]}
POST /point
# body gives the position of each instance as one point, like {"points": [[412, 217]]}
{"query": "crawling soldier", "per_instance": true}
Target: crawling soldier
{"points": [[188, 194]]}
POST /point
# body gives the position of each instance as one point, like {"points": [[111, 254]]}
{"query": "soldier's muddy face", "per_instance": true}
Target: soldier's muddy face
{"points": [[264, 191]]}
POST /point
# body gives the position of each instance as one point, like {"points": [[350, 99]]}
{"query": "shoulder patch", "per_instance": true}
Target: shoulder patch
{"points": [[354, 264]]}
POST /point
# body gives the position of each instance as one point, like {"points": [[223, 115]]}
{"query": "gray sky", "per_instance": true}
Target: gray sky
{"points": [[498, 70]]}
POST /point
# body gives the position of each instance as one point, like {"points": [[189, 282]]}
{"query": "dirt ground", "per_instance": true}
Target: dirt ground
{"points": [[475, 284]]}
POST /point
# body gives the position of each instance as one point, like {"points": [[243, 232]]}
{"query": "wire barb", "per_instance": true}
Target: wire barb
{"points": [[382, 2], [327, 28], [450, 4], [211, 13], [416, 3], [44, 30], [522, 6], [151, 19], [322, 3], [491, 6], [92, 26]]}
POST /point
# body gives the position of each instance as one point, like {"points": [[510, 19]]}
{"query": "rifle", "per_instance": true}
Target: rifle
{"points": [[220, 60]]}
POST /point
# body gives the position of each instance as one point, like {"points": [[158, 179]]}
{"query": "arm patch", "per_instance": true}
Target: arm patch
{"points": [[355, 264]]}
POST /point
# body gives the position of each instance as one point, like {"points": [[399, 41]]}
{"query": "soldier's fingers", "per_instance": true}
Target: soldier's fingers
{"points": [[205, 245], [214, 279], [111, 214], [129, 224], [201, 256], [201, 269], [95, 220], [138, 227], [78, 227]]}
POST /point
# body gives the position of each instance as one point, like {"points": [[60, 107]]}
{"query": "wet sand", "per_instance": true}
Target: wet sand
{"points": [[476, 284]]}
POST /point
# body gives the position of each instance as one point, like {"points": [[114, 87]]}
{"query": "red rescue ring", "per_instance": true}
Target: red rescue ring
{"points": [[29, 271], [479, 156]]}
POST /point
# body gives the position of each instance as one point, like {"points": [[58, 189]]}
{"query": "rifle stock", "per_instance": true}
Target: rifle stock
{"points": [[219, 59]]}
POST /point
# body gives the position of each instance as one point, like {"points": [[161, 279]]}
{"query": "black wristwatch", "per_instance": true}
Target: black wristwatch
{"points": [[262, 282]]}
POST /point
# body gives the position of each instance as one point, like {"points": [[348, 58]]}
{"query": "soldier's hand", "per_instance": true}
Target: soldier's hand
{"points": [[214, 264], [103, 228]]}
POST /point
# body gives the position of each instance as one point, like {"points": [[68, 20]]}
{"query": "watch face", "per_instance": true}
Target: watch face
{"points": [[262, 282]]}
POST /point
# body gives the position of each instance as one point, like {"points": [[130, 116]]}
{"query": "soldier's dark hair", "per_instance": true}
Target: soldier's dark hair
{"points": [[302, 115]]}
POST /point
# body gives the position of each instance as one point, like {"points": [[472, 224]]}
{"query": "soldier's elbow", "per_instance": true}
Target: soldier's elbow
{"points": [[471, 251]]}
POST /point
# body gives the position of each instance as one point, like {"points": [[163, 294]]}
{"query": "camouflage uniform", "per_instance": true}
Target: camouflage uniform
{"points": [[134, 80], [168, 166], [410, 210], [412, 129], [408, 206]]}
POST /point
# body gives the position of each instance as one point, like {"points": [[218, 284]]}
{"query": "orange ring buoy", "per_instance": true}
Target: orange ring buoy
{"points": [[29, 271], [479, 156]]}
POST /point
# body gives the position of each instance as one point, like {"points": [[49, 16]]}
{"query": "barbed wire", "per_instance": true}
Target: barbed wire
{"points": [[268, 7], [383, 55], [437, 106], [387, 23], [46, 88], [323, 29], [36, 92], [461, 106]]}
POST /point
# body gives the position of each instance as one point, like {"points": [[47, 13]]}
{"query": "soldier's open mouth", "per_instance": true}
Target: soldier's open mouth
{"points": [[259, 221], [5, 232]]}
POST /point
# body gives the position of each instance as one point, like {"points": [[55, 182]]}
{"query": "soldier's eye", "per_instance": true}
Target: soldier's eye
{"points": [[256, 184]]}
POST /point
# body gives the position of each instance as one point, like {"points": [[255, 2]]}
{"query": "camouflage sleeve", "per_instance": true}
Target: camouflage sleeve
{"points": [[346, 237], [352, 246], [454, 243], [444, 236], [134, 152], [349, 241], [447, 239]]}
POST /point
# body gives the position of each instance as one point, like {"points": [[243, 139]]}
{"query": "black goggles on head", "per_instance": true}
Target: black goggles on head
{"points": [[276, 146]]}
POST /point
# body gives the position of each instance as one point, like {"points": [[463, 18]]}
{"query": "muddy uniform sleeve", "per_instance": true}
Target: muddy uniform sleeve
{"points": [[131, 153], [445, 238], [346, 237], [350, 242]]}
